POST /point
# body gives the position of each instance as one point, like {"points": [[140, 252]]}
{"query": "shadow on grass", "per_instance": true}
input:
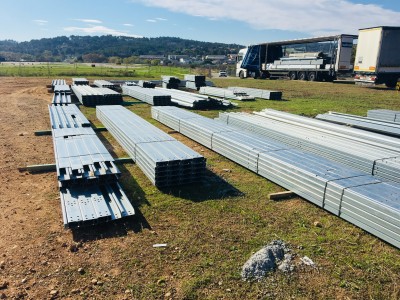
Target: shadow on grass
{"points": [[212, 187]]}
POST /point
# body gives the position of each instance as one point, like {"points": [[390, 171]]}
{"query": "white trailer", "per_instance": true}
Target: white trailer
{"points": [[378, 56]]}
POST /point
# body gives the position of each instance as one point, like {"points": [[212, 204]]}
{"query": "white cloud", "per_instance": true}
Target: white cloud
{"points": [[89, 21], [41, 22], [98, 30], [161, 19], [128, 25], [151, 21], [315, 17]]}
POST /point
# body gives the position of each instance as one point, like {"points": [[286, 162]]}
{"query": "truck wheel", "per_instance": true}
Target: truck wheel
{"points": [[391, 83], [241, 75], [292, 76], [302, 76], [312, 76]]}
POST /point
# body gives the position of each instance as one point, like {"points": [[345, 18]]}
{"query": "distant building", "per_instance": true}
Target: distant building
{"points": [[152, 57], [215, 57], [177, 57]]}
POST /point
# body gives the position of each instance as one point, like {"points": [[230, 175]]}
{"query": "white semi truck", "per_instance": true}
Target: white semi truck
{"points": [[319, 58], [378, 56]]}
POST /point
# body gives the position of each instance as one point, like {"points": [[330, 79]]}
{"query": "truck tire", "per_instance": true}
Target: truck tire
{"points": [[241, 75], [302, 76], [292, 76], [391, 83], [312, 76]]}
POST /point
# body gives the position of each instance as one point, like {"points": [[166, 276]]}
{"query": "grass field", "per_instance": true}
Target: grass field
{"points": [[213, 227], [54, 70]]}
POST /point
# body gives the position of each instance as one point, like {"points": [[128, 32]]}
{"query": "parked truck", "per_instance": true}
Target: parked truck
{"points": [[313, 59], [378, 56]]}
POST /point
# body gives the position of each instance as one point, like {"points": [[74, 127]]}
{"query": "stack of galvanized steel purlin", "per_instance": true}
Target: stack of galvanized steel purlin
{"points": [[383, 127], [164, 160], [355, 196], [195, 82], [80, 81], [384, 115], [146, 84], [105, 84], [62, 92], [55, 82], [258, 93], [367, 156], [87, 176], [90, 96], [193, 100], [225, 93], [170, 82], [150, 96]]}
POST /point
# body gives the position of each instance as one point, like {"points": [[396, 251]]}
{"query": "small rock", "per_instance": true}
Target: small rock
{"points": [[100, 283], [167, 295], [75, 291], [219, 282], [317, 224], [160, 281], [3, 285], [24, 280], [227, 170], [128, 291], [73, 248], [81, 271], [105, 275], [307, 261], [2, 264], [228, 290], [3, 296], [94, 281], [53, 292]]}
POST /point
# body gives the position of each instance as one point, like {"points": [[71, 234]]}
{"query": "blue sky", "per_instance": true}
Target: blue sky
{"points": [[229, 21]]}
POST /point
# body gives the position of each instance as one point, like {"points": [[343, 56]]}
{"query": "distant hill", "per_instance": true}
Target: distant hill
{"points": [[104, 47]]}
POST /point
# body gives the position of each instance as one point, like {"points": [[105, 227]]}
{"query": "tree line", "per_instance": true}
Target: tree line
{"points": [[102, 48]]}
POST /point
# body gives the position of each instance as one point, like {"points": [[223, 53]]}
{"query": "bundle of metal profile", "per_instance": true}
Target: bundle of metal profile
{"points": [[225, 93], [146, 84], [193, 100], [170, 82], [90, 96], [80, 81], [94, 204], [105, 84], [150, 96], [355, 134], [164, 160], [384, 115], [195, 82], [62, 89], [351, 194], [258, 93], [67, 116], [383, 163], [61, 98], [382, 127], [55, 82]]}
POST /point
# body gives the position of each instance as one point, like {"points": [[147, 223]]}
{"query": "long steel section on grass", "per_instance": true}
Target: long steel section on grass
{"points": [[80, 81], [373, 159], [150, 96], [105, 84], [164, 160], [90, 96], [193, 100], [61, 98], [225, 93], [258, 93], [374, 125], [86, 171], [384, 115], [351, 194]]}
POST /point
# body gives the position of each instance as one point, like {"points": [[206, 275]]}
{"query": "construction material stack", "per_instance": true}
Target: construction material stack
{"points": [[257, 93], [164, 160], [170, 82], [80, 81], [195, 82], [61, 92], [225, 93], [384, 115], [146, 84], [90, 96], [353, 195], [105, 84], [150, 96], [86, 172]]}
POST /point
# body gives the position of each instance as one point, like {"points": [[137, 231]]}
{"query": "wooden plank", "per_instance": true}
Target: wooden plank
{"points": [[281, 195]]}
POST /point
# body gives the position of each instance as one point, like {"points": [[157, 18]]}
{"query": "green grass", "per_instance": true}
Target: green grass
{"points": [[213, 227], [55, 70]]}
